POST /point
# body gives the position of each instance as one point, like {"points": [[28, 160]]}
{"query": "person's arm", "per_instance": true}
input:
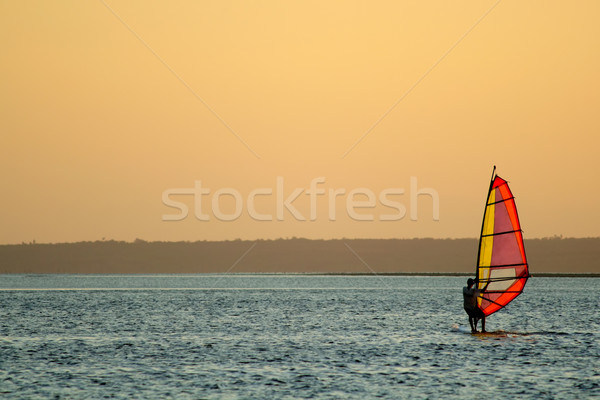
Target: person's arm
{"points": [[484, 288]]}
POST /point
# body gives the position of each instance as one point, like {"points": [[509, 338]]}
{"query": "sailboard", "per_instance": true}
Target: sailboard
{"points": [[502, 269], [496, 334]]}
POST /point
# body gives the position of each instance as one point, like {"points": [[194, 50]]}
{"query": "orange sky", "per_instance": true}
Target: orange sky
{"points": [[98, 120]]}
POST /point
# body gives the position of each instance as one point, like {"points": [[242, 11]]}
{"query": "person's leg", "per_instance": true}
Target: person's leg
{"points": [[483, 324], [473, 320]]}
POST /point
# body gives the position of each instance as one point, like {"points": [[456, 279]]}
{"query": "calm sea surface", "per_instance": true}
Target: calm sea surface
{"points": [[291, 336]]}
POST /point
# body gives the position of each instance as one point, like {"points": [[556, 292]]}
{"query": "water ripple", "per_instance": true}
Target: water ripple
{"points": [[309, 343]]}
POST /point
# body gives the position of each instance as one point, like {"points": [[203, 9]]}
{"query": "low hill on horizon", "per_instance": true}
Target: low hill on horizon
{"points": [[549, 255]]}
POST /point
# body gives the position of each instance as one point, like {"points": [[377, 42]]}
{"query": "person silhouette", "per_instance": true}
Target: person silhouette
{"points": [[475, 314]]}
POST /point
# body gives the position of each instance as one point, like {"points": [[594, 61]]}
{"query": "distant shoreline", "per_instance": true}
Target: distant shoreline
{"points": [[560, 257], [432, 274]]}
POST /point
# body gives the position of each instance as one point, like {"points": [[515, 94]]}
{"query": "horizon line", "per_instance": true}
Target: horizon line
{"points": [[139, 240]]}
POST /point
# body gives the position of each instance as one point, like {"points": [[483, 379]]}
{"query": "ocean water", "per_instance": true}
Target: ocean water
{"points": [[291, 336]]}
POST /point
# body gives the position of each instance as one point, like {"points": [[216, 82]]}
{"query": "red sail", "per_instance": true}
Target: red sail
{"points": [[502, 269]]}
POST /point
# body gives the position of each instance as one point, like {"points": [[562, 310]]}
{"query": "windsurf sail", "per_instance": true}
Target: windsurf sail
{"points": [[502, 269]]}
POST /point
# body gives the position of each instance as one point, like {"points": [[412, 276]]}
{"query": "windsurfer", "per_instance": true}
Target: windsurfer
{"points": [[470, 295]]}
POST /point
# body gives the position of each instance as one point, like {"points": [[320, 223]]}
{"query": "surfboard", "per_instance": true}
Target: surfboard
{"points": [[467, 330]]}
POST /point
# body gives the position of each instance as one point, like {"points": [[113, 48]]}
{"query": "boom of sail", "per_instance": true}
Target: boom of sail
{"points": [[502, 269]]}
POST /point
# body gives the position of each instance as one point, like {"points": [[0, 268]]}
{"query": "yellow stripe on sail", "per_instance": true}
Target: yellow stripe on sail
{"points": [[487, 243]]}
